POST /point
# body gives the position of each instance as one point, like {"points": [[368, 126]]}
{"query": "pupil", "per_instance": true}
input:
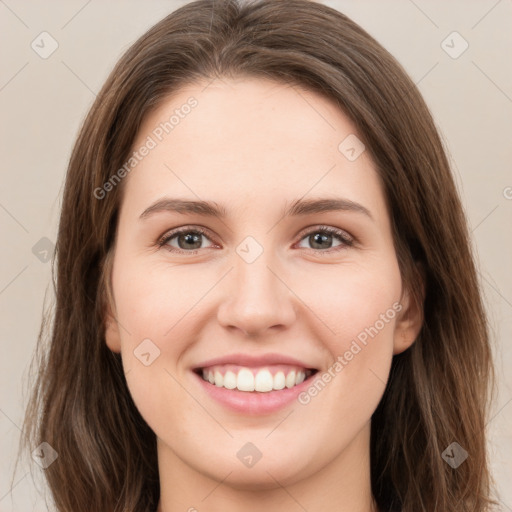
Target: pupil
{"points": [[318, 238], [195, 238]]}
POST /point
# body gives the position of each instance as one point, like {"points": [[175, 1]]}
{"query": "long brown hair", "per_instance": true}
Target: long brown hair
{"points": [[439, 390]]}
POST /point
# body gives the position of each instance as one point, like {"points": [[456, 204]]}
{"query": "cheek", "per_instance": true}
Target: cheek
{"points": [[160, 308], [351, 299], [154, 301], [359, 306]]}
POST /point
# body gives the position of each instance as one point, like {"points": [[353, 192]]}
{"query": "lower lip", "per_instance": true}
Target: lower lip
{"points": [[254, 402]]}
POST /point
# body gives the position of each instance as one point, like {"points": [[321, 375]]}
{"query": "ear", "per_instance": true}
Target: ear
{"points": [[411, 317], [111, 325], [112, 334]]}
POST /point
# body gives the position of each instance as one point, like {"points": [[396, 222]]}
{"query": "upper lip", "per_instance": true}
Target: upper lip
{"points": [[254, 361]]}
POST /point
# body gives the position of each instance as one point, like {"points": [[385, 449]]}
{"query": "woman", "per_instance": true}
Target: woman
{"points": [[266, 298]]}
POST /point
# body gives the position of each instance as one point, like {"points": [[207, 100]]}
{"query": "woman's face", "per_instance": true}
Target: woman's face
{"points": [[263, 296]]}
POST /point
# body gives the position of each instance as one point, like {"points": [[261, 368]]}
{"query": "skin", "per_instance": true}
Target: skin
{"points": [[254, 146]]}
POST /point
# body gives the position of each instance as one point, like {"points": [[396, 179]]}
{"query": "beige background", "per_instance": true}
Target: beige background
{"points": [[43, 102]]}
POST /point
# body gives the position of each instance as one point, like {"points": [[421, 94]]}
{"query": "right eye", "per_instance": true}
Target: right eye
{"points": [[188, 240]]}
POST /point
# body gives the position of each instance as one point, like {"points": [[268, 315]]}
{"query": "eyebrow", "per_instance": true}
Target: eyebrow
{"points": [[212, 209]]}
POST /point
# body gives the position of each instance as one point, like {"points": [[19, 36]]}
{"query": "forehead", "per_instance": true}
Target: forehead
{"points": [[249, 141]]}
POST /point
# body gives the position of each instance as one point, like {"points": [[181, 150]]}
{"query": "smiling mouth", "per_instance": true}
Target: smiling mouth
{"points": [[258, 380]]}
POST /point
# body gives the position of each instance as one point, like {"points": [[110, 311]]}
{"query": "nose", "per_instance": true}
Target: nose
{"points": [[256, 298]]}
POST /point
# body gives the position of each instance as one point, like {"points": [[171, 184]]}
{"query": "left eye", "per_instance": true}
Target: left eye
{"points": [[325, 235], [190, 240]]}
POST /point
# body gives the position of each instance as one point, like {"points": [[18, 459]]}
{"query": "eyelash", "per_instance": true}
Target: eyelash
{"points": [[346, 240]]}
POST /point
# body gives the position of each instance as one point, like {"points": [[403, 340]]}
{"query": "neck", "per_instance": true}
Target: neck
{"points": [[342, 485]]}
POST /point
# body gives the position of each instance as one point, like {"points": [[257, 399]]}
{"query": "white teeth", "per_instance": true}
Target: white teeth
{"points": [[219, 379], [279, 380], [290, 379], [230, 380], [262, 382], [245, 380]]}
